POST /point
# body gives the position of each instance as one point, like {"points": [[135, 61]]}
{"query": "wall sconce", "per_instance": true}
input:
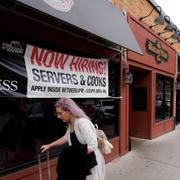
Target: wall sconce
{"points": [[158, 7], [168, 28], [128, 77], [178, 41], [158, 21], [175, 35]]}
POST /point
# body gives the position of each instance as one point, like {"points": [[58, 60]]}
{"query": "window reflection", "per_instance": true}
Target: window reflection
{"points": [[26, 124], [164, 92], [104, 113]]}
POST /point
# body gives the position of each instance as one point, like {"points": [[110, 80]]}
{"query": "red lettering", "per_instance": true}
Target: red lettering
{"points": [[101, 67], [60, 60], [74, 62], [79, 63], [94, 67], [89, 66], [36, 56], [105, 63], [48, 58], [84, 65]]}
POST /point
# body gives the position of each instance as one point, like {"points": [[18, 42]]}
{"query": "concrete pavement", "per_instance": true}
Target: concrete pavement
{"points": [[157, 159]]}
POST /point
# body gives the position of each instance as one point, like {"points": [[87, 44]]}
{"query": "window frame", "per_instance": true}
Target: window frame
{"points": [[161, 95]]}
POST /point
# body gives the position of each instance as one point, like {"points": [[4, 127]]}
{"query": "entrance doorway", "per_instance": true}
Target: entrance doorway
{"points": [[139, 103]]}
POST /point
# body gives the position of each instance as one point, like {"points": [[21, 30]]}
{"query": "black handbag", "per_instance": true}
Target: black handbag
{"points": [[91, 160]]}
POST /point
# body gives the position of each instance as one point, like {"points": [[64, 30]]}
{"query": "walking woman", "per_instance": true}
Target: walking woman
{"points": [[79, 130]]}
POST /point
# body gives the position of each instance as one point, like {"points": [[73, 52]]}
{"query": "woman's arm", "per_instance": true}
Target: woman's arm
{"points": [[57, 142]]}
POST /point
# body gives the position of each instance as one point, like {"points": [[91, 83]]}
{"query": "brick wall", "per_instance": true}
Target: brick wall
{"points": [[139, 8]]}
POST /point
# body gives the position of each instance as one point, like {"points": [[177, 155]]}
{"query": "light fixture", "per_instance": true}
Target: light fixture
{"points": [[175, 35], [169, 27], [158, 21], [178, 41], [128, 77], [158, 7]]}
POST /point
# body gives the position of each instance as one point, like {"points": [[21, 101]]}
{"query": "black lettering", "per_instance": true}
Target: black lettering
{"points": [[96, 81], [36, 76], [63, 89], [54, 89], [33, 88], [104, 82], [69, 79], [89, 81], [63, 78], [43, 76], [74, 79], [57, 76], [50, 76]]}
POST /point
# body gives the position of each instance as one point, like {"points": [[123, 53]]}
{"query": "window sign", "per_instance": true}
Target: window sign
{"points": [[37, 72]]}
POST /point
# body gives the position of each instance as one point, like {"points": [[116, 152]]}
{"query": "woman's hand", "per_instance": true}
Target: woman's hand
{"points": [[58, 142], [89, 150], [45, 147]]}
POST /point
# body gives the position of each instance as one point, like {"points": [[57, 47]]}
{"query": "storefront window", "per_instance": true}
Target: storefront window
{"points": [[26, 124], [164, 97]]}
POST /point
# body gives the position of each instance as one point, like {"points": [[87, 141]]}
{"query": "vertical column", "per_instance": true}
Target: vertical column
{"points": [[124, 110]]}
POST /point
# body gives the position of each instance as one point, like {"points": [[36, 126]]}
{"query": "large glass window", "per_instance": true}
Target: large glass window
{"points": [[26, 124], [164, 97]]}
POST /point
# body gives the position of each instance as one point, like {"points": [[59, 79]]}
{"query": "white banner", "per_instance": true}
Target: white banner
{"points": [[53, 74]]}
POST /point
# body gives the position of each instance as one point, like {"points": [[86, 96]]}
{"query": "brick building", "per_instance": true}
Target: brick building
{"points": [[139, 8]]}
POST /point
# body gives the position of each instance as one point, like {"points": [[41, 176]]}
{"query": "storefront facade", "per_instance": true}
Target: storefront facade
{"points": [[178, 91], [152, 93], [28, 120]]}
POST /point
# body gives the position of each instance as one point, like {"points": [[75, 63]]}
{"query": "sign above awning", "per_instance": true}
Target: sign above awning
{"points": [[97, 17]]}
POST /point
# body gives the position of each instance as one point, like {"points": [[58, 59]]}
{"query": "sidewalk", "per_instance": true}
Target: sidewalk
{"points": [[157, 159]]}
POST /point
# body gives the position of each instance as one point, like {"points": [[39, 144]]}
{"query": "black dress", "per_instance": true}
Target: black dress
{"points": [[91, 158], [74, 140], [74, 163]]}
